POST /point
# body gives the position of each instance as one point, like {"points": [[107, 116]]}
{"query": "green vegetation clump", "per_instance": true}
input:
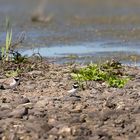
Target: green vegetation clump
{"points": [[6, 50], [12, 63], [109, 72]]}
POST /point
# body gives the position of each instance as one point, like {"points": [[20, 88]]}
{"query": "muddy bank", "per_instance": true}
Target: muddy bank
{"points": [[41, 108]]}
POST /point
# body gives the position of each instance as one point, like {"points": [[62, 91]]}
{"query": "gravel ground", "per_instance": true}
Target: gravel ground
{"points": [[40, 108]]}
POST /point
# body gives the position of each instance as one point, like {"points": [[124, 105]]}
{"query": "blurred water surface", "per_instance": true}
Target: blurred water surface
{"points": [[106, 24]]}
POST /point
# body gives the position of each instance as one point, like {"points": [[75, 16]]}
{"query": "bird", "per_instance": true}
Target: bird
{"points": [[9, 83], [74, 89]]}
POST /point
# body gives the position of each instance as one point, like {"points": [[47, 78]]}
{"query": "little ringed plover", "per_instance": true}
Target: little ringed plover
{"points": [[9, 83], [74, 89]]}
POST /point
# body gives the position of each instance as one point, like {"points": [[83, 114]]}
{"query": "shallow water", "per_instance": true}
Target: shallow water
{"points": [[87, 49], [92, 28]]}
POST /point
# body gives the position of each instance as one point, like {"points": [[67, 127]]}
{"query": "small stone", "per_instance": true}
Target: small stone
{"points": [[31, 117], [25, 100], [77, 109], [104, 135], [6, 106], [79, 106], [65, 130], [53, 131], [41, 103], [120, 105], [110, 104], [1, 130], [81, 131], [46, 127], [22, 100], [4, 113], [30, 86], [75, 119], [26, 105], [38, 112], [19, 112], [83, 118], [51, 120], [52, 137], [35, 72]]}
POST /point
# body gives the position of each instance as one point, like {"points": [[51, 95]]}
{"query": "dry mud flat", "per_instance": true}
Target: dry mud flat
{"points": [[41, 108]]}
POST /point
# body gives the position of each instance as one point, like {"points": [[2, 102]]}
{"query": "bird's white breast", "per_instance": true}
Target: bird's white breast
{"points": [[72, 90], [14, 83]]}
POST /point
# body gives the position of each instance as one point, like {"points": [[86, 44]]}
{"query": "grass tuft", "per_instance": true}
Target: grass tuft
{"points": [[109, 72], [5, 51]]}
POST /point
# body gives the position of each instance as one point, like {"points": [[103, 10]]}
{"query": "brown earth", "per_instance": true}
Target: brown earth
{"points": [[41, 108]]}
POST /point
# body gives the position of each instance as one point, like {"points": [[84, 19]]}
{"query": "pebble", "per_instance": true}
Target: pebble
{"points": [[26, 105], [65, 130], [22, 100], [54, 131], [19, 112], [6, 106], [52, 137], [35, 72], [42, 103], [4, 113], [81, 131]]}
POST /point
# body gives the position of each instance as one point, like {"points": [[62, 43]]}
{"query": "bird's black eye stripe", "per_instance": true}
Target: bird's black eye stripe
{"points": [[75, 86], [16, 79]]}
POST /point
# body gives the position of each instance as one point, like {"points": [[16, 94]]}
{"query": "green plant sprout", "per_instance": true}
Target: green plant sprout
{"points": [[13, 73], [2, 53], [8, 43], [6, 50]]}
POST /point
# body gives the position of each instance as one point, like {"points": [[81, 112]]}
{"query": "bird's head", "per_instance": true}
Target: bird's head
{"points": [[16, 79], [75, 85]]}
